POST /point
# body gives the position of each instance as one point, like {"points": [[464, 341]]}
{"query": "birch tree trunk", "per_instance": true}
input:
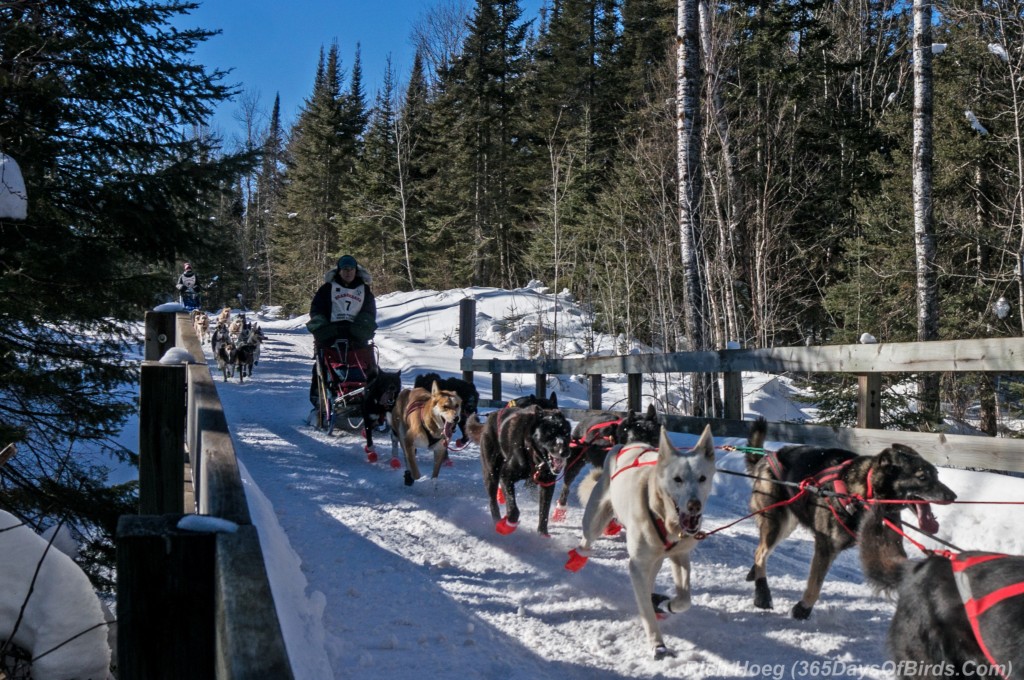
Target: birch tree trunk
{"points": [[689, 74], [924, 228]]}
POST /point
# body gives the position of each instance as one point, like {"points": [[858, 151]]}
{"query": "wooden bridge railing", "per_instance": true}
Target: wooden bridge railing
{"points": [[191, 603], [867, 362]]}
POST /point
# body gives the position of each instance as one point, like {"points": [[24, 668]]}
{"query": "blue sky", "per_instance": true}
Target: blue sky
{"points": [[273, 46]]}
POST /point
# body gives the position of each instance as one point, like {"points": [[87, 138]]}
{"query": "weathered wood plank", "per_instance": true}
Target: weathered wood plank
{"points": [[250, 645], [991, 453], [994, 354]]}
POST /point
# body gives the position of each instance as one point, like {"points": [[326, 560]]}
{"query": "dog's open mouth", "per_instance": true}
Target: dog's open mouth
{"points": [[925, 518], [449, 429], [690, 523], [556, 463]]}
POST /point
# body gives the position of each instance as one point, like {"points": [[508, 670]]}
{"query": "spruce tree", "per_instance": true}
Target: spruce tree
{"points": [[95, 100]]}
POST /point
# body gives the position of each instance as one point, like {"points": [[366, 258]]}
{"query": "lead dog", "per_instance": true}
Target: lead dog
{"points": [[517, 444], [424, 418], [897, 473], [932, 627], [659, 495]]}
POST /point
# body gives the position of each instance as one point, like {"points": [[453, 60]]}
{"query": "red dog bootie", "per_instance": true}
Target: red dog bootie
{"points": [[559, 514], [613, 528], [576, 561], [500, 496], [371, 455], [395, 463], [504, 527]]}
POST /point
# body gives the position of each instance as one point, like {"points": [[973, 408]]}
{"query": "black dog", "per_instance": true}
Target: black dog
{"points": [[897, 473], [244, 357], [378, 401], [595, 435], [932, 626], [467, 392], [516, 444]]}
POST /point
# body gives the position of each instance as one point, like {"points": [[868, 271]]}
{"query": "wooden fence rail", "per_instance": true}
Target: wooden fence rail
{"points": [[191, 604], [867, 362]]}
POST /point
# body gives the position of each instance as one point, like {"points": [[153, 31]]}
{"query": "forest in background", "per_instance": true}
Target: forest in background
{"points": [[517, 148]]}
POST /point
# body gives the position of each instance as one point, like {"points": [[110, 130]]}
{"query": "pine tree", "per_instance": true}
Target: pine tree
{"points": [[320, 160]]}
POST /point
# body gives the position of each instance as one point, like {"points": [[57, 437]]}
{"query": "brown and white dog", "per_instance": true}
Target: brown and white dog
{"points": [[201, 324], [424, 418], [224, 317]]}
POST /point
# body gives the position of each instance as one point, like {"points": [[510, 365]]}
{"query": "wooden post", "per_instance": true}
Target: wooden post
{"points": [[162, 438], [161, 334], [594, 401], [733, 395], [467, 331], [165, 600], [634, 395], [496, 386], [869, 400]]}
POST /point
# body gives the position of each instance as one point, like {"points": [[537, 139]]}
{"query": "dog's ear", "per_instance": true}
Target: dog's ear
{"points": [[665, 448], [435, 389], [554, 399], [651, 413], [705, 445]]}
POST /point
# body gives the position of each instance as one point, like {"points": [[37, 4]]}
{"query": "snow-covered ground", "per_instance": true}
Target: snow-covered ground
{"points": [[374, 579]]}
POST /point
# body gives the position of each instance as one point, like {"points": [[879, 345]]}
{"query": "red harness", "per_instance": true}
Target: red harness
{"points": [[976, 605], [659, 523]]}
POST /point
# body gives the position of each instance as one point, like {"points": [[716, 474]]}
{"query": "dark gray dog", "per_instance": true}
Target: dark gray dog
{"points": [[519, 444]]}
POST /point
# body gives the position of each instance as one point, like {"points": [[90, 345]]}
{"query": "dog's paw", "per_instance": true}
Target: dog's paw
{"points": [[661, 652], [559, 513], [408, 478], [395, 463], [504, 527], [800, 611], [576, 560], [371, 455], [613, 528]]}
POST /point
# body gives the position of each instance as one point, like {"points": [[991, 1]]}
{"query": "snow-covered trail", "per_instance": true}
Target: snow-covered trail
{"points": [[415, 582]]}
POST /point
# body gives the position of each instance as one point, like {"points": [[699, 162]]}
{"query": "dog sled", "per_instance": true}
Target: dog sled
{"points": [[343, 373]]}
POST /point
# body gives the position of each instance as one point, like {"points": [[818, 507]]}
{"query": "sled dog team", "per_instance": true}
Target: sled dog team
{"points": [[957, 612]]}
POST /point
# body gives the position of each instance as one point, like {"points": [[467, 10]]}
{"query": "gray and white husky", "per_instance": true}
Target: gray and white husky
{"points": [[659, 496]]}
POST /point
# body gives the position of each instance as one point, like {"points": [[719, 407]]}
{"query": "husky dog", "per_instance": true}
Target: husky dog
{"points": [[381, 393], [467, 392], [243, 360], [224, 316], [659, 495], [225, 353], [781, 503], [423, 418], [955, 612], [201, 324], [595, 435], [518, 444]]}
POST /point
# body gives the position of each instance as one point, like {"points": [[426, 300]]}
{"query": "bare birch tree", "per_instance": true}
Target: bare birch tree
{"points": [[924, 228], [689, 129]]}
